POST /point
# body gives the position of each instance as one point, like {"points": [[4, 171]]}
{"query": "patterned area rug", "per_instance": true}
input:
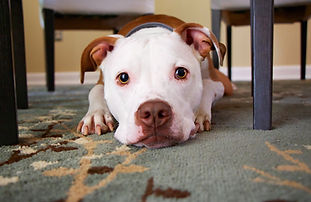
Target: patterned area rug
{"points": [[230, 163]]}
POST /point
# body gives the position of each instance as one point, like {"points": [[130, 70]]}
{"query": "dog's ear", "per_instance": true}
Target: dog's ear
{"points": [[223, 49], [202, 39], [94, 54]]}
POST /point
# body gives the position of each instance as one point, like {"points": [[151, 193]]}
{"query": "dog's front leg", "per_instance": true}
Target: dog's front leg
{"points": [[212, 91], [98, 118]]}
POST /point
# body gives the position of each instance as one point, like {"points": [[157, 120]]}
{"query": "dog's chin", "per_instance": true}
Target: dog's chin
{"points": [[155, 142]]}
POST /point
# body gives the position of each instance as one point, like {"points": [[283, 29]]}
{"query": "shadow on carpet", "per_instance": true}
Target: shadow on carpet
{"points": [[232, 162]]}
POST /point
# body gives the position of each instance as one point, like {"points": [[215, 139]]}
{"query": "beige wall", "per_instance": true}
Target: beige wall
{"points": [[33, 37], [286, 49], [68, 51]]}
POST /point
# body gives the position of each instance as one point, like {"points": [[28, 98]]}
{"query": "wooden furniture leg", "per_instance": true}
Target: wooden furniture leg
{"points": [[49, 48], [262, 62], [19, 54], [229, 52], [303, 48], [8, 116]]}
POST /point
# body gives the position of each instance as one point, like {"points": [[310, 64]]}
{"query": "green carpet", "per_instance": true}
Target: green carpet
{"points": [[232, 162]]}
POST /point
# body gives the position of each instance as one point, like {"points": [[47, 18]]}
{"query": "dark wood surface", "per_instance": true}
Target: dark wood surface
{"points": [[8, 116], [19, 54], [229, 51], [303, 48], [49, 48], [236, 18], [288, 14], [91, 22], [262, 62]]}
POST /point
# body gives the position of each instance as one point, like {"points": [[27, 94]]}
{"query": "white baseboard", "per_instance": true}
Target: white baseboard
{"points": [[279, 73], [63, 78], [238, 74]]}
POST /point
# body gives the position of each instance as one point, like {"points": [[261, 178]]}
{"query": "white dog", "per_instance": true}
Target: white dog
{"points": [[157, 80]]}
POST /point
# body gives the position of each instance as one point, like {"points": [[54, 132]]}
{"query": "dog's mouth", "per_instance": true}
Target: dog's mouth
{"points": [[157, 141]]}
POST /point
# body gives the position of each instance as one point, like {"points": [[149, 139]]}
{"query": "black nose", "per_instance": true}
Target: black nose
{"points": [[154, 113]]}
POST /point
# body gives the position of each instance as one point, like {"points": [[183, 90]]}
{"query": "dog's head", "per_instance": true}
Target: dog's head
{"points": [[153, 83]]}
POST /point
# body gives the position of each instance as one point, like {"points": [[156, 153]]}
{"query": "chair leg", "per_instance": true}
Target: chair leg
{"points": [[49, 48], [115, 31], [262, 62], [303, 46], [216, 18], [19, 54], [8, 116], [229, 53]]}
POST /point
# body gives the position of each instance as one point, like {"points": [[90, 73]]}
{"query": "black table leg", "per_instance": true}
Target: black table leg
{"points": [[8, 117], [216, 18], [229, 52], [303, 46], [19, 54], [262, 62], [49, 48]]}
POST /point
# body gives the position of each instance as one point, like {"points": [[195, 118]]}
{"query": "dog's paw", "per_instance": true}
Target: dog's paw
{"points": [[98, 122], [204, 122]]}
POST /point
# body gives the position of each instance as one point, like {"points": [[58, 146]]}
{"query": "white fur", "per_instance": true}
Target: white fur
{"points": [[98, 109], [150, 57]]}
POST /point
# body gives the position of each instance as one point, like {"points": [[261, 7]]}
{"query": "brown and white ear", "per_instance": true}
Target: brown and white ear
{"points": [[223, 49], [94, 54], [202, 39]]}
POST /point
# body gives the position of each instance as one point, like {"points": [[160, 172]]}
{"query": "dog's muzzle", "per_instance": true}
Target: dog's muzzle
{"points": [[155, 118]]}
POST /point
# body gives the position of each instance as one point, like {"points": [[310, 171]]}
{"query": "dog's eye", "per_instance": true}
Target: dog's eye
{"points": [[181, 73], [123, 78]]}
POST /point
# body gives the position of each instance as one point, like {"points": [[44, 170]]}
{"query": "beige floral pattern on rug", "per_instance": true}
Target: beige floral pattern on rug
{"points": [[31, 145], [79, 189], [294, 166]]}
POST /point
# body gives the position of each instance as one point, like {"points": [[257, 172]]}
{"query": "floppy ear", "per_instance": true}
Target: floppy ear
{"points": [[203, 40], [223, 49], [94, 54]]}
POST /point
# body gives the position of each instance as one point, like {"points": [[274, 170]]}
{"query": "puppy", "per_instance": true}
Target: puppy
{"points": [[156, 79]]}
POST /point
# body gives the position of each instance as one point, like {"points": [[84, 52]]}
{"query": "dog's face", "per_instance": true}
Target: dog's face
{"points": [[153, 86]]}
